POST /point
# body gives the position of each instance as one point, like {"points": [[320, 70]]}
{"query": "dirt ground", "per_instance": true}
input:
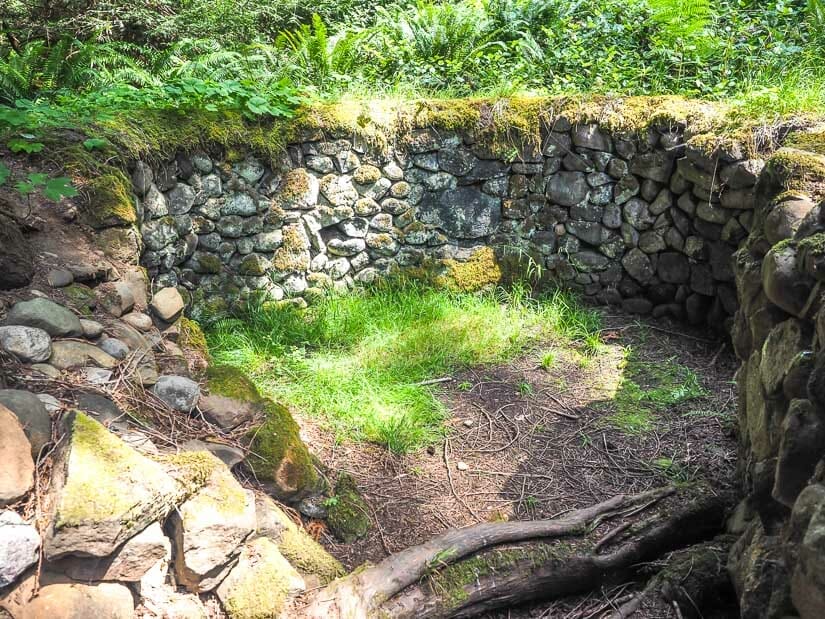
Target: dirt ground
{"points": [[525, 442]]}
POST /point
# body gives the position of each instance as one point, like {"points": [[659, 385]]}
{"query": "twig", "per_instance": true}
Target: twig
{"points": [[434, 381]]}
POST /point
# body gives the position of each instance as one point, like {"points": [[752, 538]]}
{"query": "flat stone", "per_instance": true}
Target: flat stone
{"points": [[44, 314], [227, 454], [46, 370], [167, 304], [66, 600], [638, 266], [28, 344], [32, 415], [68, 354], [227, 413], [51, 403], [19, 543], [128, 564], [59, 278], [95, 376], [567, 188], [179, 392], [138, 320], [91, 328], [108, 493], [465, 212], [209, 530], [17, 472]]}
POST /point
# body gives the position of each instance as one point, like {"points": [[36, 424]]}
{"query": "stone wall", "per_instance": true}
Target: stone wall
{"points": [[648, 220], [778, 565]]}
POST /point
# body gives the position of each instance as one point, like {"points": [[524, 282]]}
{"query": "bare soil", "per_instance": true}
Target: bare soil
{"points": [[525, 442]]}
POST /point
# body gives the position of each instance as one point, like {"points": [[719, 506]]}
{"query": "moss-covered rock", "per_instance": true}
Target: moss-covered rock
{"points": [[481, 270], [192, 337], [293, 255], [279, 456], [110, 201], [106, 492], [348, 514], [230, 382], [303, 552], [81, 297], [258, 586]]}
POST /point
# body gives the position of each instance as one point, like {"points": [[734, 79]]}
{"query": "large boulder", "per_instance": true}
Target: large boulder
{"points": [[105, 492], [54, 319], [19, 543], [784, 285], [210, 528], [259, 584], [17, 472], [59, 598], [16, 260]]}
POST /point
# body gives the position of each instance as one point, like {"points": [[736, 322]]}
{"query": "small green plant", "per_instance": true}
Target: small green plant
{"points": [[672, 471], [548, 360], [330, 502], [531, 502], [525, 388], [465, 386]]}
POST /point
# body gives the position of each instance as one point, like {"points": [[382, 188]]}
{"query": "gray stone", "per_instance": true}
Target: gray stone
{"points": [[114, 347], [159, 233], [102, 409], [782, 283], [230, 226], [180, 393], [673, 268], [19, 544], [239, 204], [17, 472], [456, 161], [142, 177], [268, 241], [338, 190], [54, 319], [299, 190], [138, 320], [637, 214], [591, 136], [180, 199], [320, 164], [59, 278], [652, 241], [801, 447], [626, 188], [250, 169], [465, 212], [656, 166], [588, 231], [91, 328], [356, 227], [337, 268], [32, 415], [346, 247], [742, 174], [612, 216], [638, 266], [440, 181], [226, 413], [28, 344], [567, 188]]}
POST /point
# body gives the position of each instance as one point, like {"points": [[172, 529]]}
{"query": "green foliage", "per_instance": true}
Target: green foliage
{"points": [[357, 361]]}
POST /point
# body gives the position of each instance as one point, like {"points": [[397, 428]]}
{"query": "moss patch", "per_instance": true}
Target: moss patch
{"points": [[480, 271], [794, 169], [192, 337], [230, 382], [307, 555], [110, 201], [293, 255], [348, 515], [106, 479], [279, 455]]}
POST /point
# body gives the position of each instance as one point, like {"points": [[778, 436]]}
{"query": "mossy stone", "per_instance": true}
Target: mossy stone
{"points": [[110, 201], [348, 515], [279, 456], [192, 337], [480, 271], [230, 382]]}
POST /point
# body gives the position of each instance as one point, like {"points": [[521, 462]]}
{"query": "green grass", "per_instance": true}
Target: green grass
{"points": [[648, 388], [356, 361]]}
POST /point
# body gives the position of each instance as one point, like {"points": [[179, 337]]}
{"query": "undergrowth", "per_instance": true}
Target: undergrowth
{"points": [[358, 361]]}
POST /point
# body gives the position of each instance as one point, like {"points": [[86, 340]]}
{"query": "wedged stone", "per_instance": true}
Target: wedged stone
{"points": [[226, 412], [17, 472], [742, 174], [465, 212], [591, 136], [180, 199], [210, 528], [179, 392], [637, 214], [138, 320], [115, 297], [227, 454], [54, 319], [779, 351], [239, 204], [59, 278], [91, 328], [142, 177], [114, 347], [638, 265], [567, 188], [28, 344], [129, 563], [656, 166], [784, 218], [68, 354], [801, 447], [19, 543], [99, 407], [673, 268], [782, 283], [167, 304], [32, 415], [262, 579], [105, 492]]}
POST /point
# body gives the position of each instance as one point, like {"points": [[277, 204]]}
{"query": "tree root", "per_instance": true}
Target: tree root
{"points": [[472, 570]]}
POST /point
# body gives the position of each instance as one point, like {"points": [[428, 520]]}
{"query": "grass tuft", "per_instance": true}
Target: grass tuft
{"points": [[357, 361]]}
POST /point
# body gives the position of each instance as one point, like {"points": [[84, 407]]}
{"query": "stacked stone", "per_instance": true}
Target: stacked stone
{"points": [[779, 334], [646, 220]]}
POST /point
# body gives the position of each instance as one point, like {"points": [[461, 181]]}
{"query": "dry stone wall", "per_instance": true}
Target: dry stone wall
{"points": [[643, 220], [778, 564]]}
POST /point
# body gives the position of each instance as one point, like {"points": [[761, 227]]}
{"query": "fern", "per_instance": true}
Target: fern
{"points": [[680, 20]]}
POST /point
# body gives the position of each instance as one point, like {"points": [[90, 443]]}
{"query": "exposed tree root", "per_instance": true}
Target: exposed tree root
{"points": [[468, 571]]}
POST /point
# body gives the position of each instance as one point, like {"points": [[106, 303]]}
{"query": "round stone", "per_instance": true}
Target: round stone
{"points": [[29, 344], [180, 393]]}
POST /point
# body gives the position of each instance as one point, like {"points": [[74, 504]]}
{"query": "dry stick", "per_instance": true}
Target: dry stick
{"points": [[434, 381], [452, 486]]}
